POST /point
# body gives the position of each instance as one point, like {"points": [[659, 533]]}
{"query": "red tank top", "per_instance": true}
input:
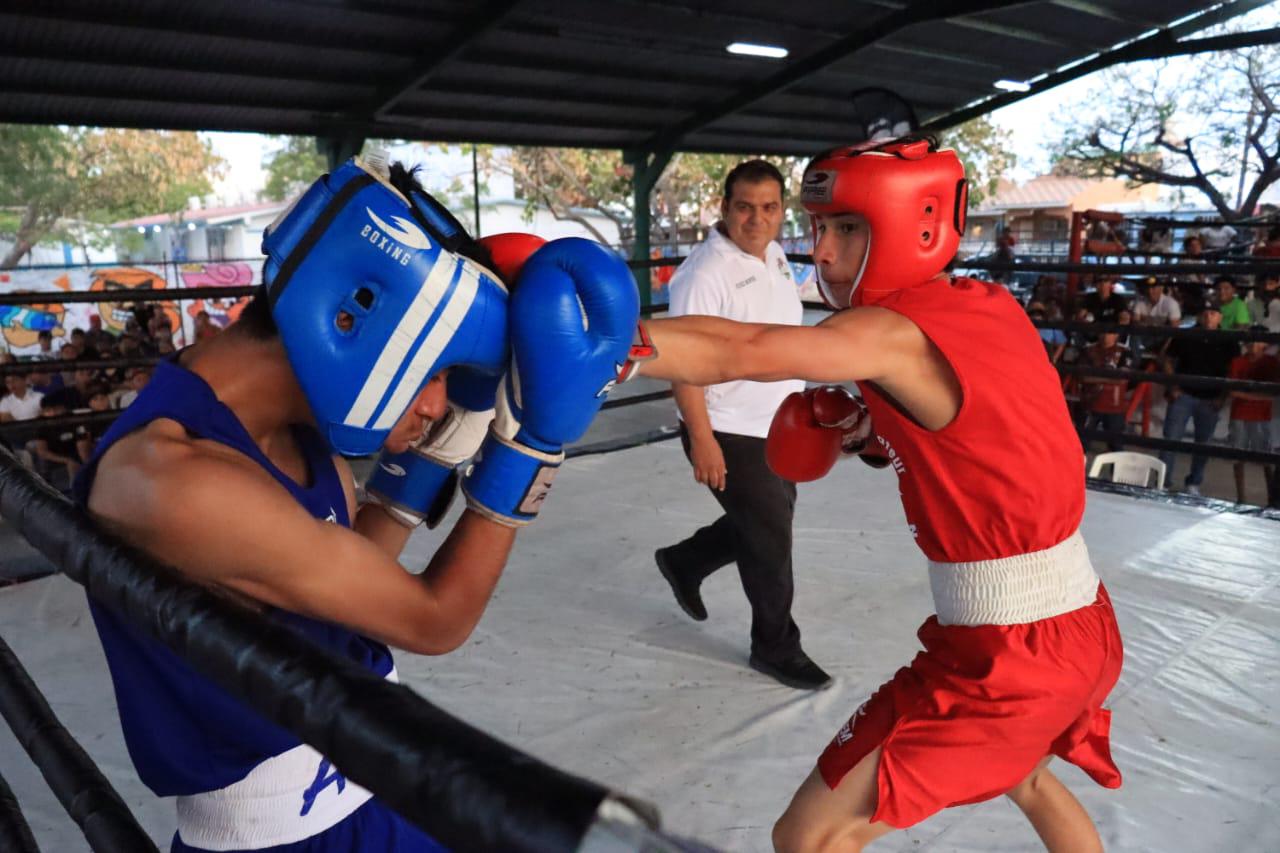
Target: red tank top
{"points": [[1006, 476]]}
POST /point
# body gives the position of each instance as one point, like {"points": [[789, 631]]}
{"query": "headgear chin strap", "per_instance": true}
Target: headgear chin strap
{"points": [[913, 199], [372, 301]]}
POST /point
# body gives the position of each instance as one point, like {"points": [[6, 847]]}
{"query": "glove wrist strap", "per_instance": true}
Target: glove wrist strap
{"points": [[412, 487], [642, 349], [509, 481]]}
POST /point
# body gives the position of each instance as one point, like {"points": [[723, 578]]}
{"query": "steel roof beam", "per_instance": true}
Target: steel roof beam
{"points": [[482, 22], [175, 20], [1160, 44], [915, 13], [1019, 33], [1097, 10]]}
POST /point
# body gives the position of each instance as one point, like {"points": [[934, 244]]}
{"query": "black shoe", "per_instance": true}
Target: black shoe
{"points": [[797, 671], [687, 595]]}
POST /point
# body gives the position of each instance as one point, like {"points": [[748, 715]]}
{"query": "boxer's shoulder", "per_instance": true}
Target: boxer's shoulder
{"points": [[159, 476]]}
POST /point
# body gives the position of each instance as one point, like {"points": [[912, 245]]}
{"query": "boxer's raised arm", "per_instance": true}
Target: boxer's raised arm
{"points": [[266, 546]]}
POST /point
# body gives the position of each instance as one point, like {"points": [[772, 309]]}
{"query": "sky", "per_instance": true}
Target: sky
{"points": [[1032, 123]]}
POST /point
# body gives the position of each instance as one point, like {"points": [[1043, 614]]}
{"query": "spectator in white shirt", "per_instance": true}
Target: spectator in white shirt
{"points": [[1157, 308], [1217, 237], [21, 403], [1264, 302], [48, 346]]}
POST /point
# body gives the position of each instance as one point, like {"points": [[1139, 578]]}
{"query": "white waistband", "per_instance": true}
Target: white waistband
{"points": [[291, 796], [1015, 590]]}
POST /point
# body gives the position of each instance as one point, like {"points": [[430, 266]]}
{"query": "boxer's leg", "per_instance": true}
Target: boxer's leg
{"points": [[832, 821], [1059, 819]]}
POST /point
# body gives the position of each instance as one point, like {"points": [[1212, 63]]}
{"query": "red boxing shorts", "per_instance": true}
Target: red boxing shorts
{"points": [[978, 709]]}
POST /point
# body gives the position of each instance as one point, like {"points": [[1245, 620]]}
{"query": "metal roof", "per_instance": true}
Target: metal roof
{"points": [[631, 74]]}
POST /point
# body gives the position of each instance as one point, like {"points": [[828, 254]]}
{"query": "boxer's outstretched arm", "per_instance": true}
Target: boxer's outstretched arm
{"points": [[849, 346]]}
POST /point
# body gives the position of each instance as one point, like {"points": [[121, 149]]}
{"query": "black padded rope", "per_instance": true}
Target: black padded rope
{"points": [[77, 782], [15, 834], [125, 295], [1240, 336], [1190, 448], [55, 365], [467, 789], [1182, 380]]}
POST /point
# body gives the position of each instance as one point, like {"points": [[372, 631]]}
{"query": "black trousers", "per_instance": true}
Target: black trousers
{"points": [[755, 533]]}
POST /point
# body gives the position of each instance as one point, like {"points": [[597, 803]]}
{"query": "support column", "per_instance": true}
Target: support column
{"points": [[1075, 254], [647, 168], [339, 148]]}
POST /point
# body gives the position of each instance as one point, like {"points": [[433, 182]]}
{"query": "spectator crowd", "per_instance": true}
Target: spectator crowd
{"points": [[1209, 302], [63, 380]]}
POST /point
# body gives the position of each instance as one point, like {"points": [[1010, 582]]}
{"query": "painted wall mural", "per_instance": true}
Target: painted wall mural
{"points": [[21, 324]]}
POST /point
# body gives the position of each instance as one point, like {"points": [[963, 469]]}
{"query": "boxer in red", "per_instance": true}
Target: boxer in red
{"points": [[1024, 647]]}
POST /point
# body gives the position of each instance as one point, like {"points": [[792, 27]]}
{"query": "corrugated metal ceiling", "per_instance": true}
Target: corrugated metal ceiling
{"points": [[592, 73]]}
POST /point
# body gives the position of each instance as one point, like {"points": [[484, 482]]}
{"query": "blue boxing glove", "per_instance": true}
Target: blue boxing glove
{"points": [[573, 312], [419, 485]]}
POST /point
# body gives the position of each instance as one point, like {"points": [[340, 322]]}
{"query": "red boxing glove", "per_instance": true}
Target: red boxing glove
{"points": [[509, 251], [810, 431]]}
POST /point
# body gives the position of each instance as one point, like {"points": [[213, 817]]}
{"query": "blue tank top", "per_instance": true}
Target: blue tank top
{"points": [[185, 734]]}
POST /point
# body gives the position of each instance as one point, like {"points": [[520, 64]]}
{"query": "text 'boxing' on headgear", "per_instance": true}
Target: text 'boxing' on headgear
{"points": [[371, 301], [913, 198]]}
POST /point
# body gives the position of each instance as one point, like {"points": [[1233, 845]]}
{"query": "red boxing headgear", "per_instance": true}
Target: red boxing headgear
{"points": [[509, 251], [913, 198]]}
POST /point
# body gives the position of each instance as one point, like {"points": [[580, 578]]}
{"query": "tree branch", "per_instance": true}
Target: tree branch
{"points": [[569, 216]]}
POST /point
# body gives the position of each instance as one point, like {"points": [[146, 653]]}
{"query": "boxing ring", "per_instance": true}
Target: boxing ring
{"points": [[584, 661]]}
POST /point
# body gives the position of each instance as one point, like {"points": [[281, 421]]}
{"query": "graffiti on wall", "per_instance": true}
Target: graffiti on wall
{"points": [[223, 312], [21, 324], [116, 315]]}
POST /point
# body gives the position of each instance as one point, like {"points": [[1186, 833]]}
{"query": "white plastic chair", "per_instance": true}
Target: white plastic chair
{"points": [[1134, 469]]}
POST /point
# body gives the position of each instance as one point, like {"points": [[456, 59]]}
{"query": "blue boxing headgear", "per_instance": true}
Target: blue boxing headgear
{"points": [[371, 302]]}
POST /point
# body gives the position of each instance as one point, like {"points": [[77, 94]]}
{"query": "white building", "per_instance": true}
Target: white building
{"points": [[202, 234]]}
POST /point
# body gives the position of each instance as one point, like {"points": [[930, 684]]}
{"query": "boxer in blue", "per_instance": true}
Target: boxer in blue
{"points": [[381, 327]]}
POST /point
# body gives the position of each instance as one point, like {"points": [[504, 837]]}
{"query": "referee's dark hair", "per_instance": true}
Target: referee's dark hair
{"points": [[752, 172]]}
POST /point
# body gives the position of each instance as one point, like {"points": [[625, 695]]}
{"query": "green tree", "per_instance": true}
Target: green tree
{"points": [[570, 181], [691, 188], [985, 148], [53, 180], [292, 166], [1209, 124]]}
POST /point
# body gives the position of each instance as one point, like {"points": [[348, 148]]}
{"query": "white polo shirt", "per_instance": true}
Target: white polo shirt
{"points": [[22, 410], [1164, 312], [721, 280]]}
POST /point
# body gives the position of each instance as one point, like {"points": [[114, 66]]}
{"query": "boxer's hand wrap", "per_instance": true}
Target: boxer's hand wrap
{"points": [[573, 312], [418, 485], [835, 408]]}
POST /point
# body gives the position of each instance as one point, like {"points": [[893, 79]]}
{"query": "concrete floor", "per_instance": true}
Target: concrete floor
{"points": [[585, 661]]}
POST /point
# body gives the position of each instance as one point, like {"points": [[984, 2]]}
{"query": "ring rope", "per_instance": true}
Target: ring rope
{"points": [[15, 832], [469, 790], [75, 780]]}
